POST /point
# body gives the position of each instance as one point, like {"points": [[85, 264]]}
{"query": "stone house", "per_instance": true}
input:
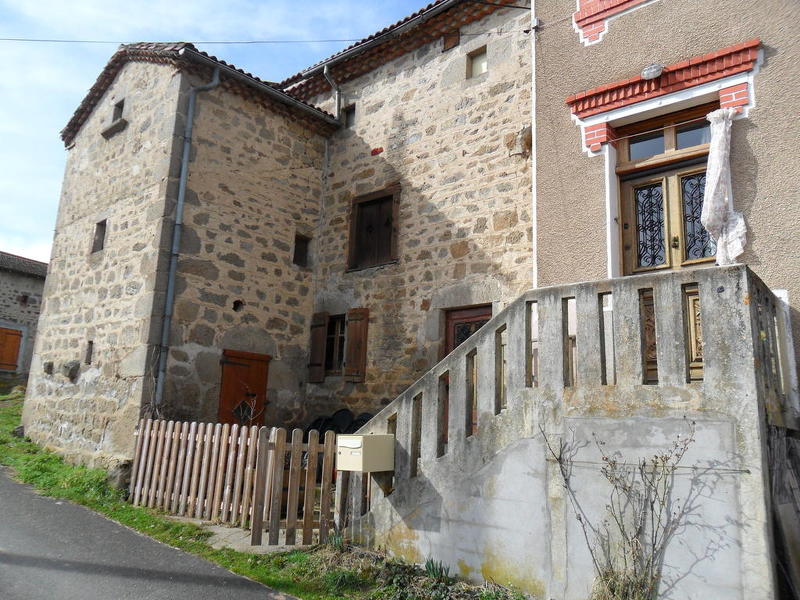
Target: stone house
{"points": [[268, 281], [408, 227], [21, 287]]}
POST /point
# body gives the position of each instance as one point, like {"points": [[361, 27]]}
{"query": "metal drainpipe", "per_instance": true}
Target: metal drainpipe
{"points": [[534, 157], [176, 236], [337, 92]]}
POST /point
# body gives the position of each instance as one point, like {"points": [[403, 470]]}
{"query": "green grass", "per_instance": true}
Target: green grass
{"points": [[321, 573]]}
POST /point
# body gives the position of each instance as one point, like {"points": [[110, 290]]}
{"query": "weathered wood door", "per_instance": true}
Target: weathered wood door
{"points": [[10, 342], [460, 324], [243, 391]]}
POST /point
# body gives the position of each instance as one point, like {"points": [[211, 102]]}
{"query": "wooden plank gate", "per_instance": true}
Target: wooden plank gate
{"points": [[242, 476], [298, 498]]}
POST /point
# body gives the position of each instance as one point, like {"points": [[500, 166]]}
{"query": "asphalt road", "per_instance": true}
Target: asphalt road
{"points": [[53, 550]]}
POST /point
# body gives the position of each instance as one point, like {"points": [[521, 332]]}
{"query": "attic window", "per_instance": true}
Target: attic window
{"points": [[117, 122], [477, 63], [118, 107], [349, 116], [99, 241]]}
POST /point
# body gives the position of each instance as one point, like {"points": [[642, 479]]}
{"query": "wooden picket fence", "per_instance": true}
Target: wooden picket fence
{"points": [[241, 476]]}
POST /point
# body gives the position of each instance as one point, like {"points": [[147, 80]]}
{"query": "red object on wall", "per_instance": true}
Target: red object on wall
{"points": [[597, 135], [591, 16], [376, 151], [735, 96]]}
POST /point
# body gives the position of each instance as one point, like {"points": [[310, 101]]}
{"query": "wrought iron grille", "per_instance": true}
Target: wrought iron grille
{"points": [[649, 200], [698, 242], [465, 330]]}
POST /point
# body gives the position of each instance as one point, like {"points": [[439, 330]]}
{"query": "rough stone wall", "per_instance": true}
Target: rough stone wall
{"points": [[18, 314], [109, 296], [464, 208], [571, 187], [254, 181]]}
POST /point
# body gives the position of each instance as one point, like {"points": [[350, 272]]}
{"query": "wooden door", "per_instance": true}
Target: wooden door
{"points": [[10, 342], [243, 391], [661, 221], [460, 324]]}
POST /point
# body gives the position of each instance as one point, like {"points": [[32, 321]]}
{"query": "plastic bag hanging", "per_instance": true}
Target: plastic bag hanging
{"points": [[726, 226]]}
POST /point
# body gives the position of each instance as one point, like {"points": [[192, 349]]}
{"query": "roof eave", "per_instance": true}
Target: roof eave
{"points": [[275, 94], [346, 55]]}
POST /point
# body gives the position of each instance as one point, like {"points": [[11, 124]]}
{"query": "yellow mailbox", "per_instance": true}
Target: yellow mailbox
{"points": [[365, 453]]}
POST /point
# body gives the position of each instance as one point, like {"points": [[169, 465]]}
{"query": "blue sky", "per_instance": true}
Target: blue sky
{"points": [[42, 83]]}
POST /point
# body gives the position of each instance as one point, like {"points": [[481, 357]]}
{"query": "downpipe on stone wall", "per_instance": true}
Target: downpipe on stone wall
{"points": [[169, 302], [337, 92], [534, 161]]}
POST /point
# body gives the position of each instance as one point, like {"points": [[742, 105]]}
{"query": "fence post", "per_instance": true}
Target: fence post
{"points": [[294, 487], [340, 510], [311, 486], [137, 453], [145, 435], [328, 459], [187, 471], [276, 494], [260, 488], [247, 492]]}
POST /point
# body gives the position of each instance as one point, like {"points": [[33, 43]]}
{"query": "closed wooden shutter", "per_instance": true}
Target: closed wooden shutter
{"points": [[316, 354], [355, 365], [10, 341]]}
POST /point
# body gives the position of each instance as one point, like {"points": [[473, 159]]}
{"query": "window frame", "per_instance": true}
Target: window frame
{"points": [[670, 124], [349, 115], [339, 322], [99, 242], [471, 56], [301, 241], [667, 168], [392, 191]]}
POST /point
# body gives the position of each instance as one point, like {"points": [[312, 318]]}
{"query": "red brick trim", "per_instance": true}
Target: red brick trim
{"points": [[594, 136], [592, 15], [676, 77], [735, 96]]}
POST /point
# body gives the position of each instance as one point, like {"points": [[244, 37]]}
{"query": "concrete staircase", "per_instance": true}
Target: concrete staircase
{"points": [[622, 361]]}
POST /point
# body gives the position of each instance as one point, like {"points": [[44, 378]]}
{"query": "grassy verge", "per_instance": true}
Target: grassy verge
{"points": [[322, 573]]}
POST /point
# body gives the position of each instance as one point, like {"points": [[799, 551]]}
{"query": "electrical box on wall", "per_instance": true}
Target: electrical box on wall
{"points": [[365, 453]]}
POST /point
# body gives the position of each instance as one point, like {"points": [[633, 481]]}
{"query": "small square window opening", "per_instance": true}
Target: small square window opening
{"points": [[477, 63], [301, 244], [349, 117], [99, 241], [118, 108]]}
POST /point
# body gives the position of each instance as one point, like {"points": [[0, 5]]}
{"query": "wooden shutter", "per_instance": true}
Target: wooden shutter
{"points": [[316, 354], [10, 341], [355, 365]]}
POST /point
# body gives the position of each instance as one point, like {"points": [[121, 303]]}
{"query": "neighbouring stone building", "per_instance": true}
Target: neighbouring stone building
{"points": [[21, 288], [407, 228]]}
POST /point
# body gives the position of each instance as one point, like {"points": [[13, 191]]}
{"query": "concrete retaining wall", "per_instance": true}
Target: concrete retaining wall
{"points": [[494, 507]]}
